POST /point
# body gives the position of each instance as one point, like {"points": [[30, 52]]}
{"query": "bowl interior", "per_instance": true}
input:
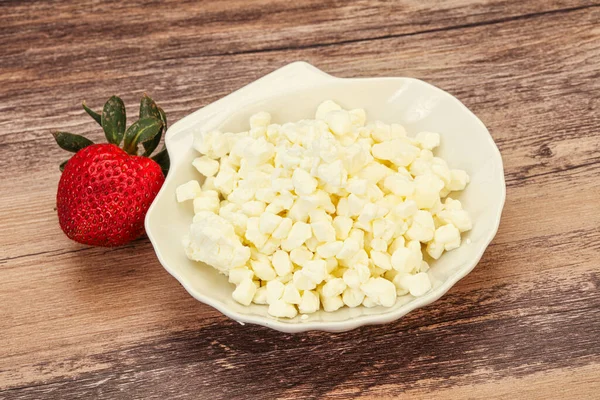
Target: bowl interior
{"points": [[418, 106]]}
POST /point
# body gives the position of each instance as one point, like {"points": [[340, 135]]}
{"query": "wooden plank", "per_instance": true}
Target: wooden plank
{"points": [[111, 323], [67, 31], [495, 329], [99, 48], [580, 383]]}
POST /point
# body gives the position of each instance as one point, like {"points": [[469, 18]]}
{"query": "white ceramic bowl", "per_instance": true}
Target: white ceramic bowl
{"points": [[292, 93]]}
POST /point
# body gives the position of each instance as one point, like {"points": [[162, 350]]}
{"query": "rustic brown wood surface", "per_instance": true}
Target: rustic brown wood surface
{"points": [[81, 322]]}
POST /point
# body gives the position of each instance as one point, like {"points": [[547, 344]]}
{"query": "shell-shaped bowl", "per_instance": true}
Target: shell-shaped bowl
{"points": [[292, 93]]}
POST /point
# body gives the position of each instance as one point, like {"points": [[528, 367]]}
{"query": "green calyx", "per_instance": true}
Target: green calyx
{"points": [[141, 131], [147, 130]]}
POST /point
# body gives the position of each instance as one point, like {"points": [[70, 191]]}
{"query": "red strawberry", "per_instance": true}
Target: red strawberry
{"points": [[105, 191]]}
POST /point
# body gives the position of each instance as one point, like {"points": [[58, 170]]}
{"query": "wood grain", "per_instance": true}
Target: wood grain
{"points": [[81, 322]]}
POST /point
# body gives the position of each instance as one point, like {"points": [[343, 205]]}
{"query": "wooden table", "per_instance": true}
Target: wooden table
{"points": [[82, 322]]}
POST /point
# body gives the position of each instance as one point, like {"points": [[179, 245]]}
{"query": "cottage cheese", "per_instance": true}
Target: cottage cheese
{"points": [[323, 213]]}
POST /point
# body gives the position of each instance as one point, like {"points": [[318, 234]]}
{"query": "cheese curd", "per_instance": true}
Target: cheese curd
{"points": [[323, 213]]}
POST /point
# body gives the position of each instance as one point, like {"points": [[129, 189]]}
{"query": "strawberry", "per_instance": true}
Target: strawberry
{"points": [[105, 190]]}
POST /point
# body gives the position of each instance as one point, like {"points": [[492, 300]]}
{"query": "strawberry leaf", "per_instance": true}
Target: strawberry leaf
{"points": [[97, 117], [63, 165], [163, 118], [141, 131], [113, 120], [151, 146], [71, 142], [148, 108], [162, 159]]}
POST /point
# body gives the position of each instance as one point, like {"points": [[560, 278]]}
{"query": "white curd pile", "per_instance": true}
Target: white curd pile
{"points": [[322, 213]]}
